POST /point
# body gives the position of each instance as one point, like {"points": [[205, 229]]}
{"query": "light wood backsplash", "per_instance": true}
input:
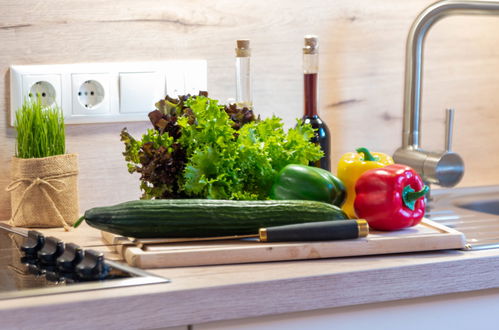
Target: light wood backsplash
{"points": [[361, 77]]}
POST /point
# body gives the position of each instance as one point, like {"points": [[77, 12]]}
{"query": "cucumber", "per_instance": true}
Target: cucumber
{"points": [[205, 217]]}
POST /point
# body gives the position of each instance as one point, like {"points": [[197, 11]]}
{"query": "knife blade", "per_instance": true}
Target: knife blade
{"points": [[312, 231]]}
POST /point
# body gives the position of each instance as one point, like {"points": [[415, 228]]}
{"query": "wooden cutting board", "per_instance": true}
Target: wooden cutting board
{"points": [[426, 236]]}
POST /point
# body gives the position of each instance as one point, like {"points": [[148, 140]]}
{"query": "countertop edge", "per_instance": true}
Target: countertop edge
{"points": [[424, 275]]}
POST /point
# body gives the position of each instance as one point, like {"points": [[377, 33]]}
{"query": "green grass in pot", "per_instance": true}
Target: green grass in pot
{"points": [[40, 130]]}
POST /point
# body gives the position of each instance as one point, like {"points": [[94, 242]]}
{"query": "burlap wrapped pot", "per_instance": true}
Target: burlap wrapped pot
{"points": [[44, 191]]}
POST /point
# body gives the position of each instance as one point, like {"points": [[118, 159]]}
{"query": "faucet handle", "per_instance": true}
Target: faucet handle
{"points": [[449, 125]]}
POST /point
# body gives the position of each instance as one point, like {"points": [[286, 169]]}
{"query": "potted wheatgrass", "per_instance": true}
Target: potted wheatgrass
{"points": [[44, 187]]}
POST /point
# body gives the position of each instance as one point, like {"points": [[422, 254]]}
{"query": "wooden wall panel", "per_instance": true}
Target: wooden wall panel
{"points": [[361, 79]]}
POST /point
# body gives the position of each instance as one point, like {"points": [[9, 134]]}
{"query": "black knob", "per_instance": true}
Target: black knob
{"points": [[32, 268], [53, 276], [72, 256], [92, 267], [33, 244], [52, 250]]}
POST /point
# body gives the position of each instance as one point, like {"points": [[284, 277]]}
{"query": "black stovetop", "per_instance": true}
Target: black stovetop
{"points": [[23, 274]]}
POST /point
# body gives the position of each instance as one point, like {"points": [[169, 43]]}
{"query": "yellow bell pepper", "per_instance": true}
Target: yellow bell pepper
{"points": [[350, 168]]}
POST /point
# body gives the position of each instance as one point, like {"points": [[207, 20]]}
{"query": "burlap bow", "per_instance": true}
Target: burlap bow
{"points": [[45, 183]]}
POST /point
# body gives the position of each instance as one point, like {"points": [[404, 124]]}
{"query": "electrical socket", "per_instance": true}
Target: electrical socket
{"points": [[90, 93], [106, 92], [45, 91], [27, 84]]}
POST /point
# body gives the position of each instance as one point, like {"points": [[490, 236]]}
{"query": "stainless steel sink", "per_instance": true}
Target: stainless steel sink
{"points": [[490, 207], [473, 210]]}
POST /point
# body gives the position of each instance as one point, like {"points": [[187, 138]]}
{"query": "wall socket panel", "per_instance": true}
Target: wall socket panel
{"points": [[105, 92]]}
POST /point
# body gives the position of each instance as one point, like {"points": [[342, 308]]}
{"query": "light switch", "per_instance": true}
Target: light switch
{"points": [[175, 79], [195, 77], [139, 91]]}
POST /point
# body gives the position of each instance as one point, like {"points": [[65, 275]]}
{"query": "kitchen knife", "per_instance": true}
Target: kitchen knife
{"points": [[311, 231]]}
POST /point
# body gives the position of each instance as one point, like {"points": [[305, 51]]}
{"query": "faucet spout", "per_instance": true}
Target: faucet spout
{"points": [[414, 57], [444, 168]]}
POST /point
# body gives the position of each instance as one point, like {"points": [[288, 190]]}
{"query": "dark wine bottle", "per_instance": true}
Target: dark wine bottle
{"points": [[311, 116]]}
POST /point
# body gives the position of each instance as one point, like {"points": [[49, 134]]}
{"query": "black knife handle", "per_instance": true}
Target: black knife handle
{"points": [[316, 231]]}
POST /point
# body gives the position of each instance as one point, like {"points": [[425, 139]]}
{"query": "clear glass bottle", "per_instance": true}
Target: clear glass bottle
{"points": [[243, 74], [311, 116]]}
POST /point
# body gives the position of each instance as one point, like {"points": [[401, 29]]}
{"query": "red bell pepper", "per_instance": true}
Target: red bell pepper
{"points": [[390, 198]]}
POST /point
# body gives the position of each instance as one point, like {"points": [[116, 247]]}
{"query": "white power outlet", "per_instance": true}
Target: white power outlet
{"points": [[90, 94], [30, 85], [105, 92], [45, 91]]}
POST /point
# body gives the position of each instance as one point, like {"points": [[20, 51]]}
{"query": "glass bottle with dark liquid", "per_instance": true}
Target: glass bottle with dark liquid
{"points": [[310, 69]]}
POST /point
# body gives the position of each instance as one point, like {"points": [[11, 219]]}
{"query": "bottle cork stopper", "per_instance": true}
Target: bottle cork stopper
{"points": [[243, 48], [311, 44]]}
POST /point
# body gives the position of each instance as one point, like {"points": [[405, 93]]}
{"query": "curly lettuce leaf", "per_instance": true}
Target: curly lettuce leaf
{"points": [[229, 164], [265, 148], [158, 159], [201, 149]]}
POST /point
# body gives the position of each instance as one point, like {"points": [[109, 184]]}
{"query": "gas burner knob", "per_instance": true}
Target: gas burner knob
{"points": [[32, 245], [92, 267], [52, 250], [53, 276], [72, 256], [32, 268]]}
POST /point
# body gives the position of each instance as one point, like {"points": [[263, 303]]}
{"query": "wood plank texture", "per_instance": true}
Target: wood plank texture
{"points": [[361, 78]]}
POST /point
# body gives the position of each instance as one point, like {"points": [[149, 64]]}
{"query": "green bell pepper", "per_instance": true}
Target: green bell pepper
{"points": [[304, 182]]}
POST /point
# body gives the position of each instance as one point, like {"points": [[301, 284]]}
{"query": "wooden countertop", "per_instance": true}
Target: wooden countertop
{"points": [[210, 293]]}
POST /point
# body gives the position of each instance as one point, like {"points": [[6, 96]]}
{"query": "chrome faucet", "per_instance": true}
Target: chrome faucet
{"points": [[444, 168]]}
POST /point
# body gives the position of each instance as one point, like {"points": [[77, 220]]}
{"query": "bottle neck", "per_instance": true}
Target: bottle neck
{"points": [[311, 63], [243, 82], [310, 69]]}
